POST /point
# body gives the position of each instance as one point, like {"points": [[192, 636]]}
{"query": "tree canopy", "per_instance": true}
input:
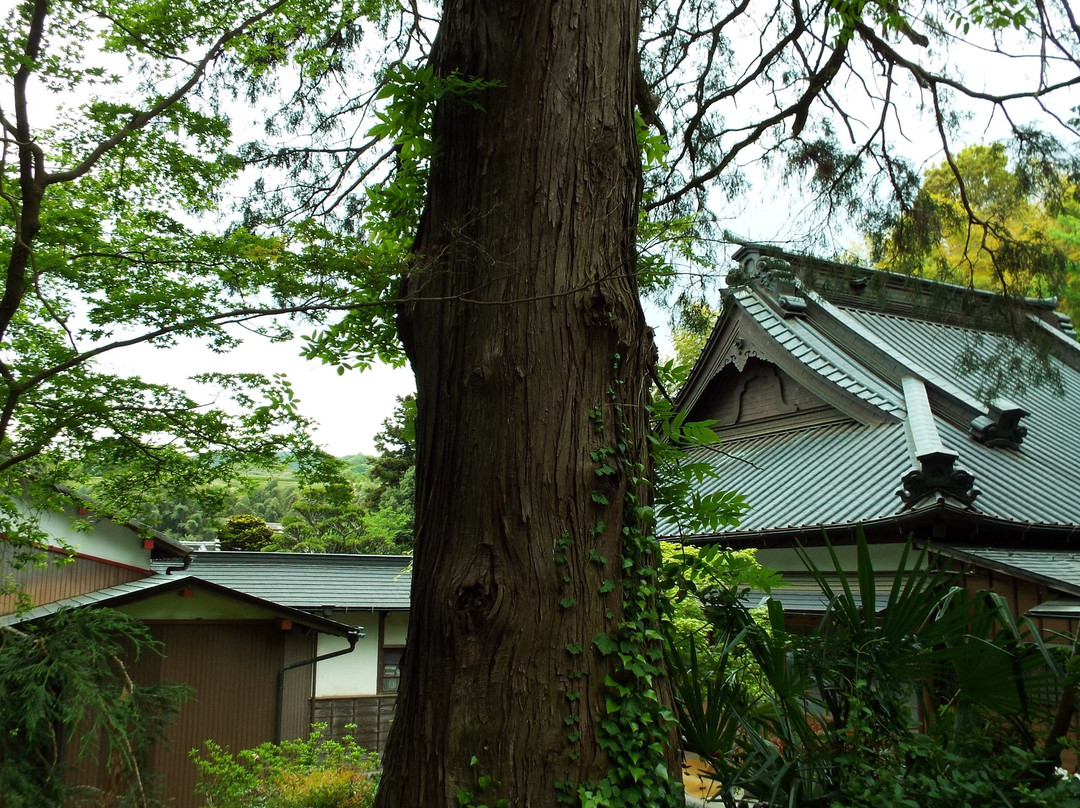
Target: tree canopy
{"points": [[992, 221], [119, 226], [506, 179]]}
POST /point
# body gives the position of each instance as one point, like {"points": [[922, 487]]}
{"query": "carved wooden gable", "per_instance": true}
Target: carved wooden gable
{"points": [[757, 395]]}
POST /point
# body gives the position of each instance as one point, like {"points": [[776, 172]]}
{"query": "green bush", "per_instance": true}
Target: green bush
{"points": [[315, 772], [829, 719], [245, 531], [953, 767], [67, 701]]}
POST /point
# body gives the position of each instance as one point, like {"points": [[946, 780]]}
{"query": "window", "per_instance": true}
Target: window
{"points": [[391, 669]]}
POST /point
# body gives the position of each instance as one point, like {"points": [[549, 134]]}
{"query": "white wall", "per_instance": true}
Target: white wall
{"points": [[105, 539], [785, 559], [354, 674], [357, 674]]}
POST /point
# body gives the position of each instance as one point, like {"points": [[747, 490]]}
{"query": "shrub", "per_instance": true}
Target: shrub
{"points": [[315, 772], [67, 701], [245, 531], [828, 719]]}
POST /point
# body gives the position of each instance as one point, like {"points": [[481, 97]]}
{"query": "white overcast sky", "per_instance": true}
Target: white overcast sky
{"points": [[350, 409]]}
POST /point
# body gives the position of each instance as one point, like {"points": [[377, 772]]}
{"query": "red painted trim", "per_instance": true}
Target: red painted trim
{"points": [[146, 571]]}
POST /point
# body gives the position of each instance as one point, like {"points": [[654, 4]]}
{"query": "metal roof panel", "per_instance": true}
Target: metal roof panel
{"points": [[818, 475], [312, 580]]}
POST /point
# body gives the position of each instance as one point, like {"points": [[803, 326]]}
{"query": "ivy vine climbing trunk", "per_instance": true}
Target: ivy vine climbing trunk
{"points": [[530, 673]]}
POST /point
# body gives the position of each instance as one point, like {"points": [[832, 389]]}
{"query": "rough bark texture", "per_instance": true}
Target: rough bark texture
{"points": [[524, 327]]}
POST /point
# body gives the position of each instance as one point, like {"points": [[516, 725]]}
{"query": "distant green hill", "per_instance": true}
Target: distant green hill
{"points": [[357, 463]]}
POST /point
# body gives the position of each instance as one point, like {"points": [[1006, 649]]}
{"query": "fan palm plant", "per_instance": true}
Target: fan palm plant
{"points": [[796, 719]]}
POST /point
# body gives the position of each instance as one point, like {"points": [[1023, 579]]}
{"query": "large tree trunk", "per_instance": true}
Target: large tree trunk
{"points": [[523, 325]]}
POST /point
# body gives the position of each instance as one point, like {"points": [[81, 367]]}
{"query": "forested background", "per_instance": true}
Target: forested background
{"points": [[366, 507], [489, 188]]}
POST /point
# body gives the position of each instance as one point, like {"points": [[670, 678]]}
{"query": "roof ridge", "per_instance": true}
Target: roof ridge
{"points": [[937, 474], [995, 422], [907, 289], [751, 294]]}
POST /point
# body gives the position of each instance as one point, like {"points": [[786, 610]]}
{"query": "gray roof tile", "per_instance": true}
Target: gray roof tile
{"points": [[312, 580], [1059, 568], [814, 476], [151, 585], [801, 477]]}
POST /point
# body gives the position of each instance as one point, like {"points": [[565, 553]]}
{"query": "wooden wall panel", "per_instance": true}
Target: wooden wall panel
{"points": [[760, 392], [1025, 597], [77, 577], [372, 716], [300, 646], [233, 669]]}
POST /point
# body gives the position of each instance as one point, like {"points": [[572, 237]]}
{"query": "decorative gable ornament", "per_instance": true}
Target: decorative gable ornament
{"points": [[776, 278], [739, 352], [937, 476], [1004, 433]]}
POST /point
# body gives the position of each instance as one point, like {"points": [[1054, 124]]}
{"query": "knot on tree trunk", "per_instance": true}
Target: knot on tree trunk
{"points": [[472, 604]]}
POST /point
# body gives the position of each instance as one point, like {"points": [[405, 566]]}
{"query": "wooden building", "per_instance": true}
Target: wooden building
{"points": [[845, 396], [371, 591], [251, 662]]}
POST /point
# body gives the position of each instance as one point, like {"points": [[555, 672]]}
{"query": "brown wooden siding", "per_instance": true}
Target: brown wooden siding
{"points": [[760, 392], [1022, 596], [296, 714], [372, 716], [77, 577], [234, 671]]}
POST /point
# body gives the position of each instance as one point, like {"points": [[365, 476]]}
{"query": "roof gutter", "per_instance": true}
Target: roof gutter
{"points": [[183, 567], [353, 637], [933, 522]]}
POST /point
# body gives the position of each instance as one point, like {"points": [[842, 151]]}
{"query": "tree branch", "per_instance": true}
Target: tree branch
{"points": [[142, 119]]}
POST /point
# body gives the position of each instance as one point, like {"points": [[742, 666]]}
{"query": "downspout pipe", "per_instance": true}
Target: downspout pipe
{"points": [[353, 638], [187, 563]]}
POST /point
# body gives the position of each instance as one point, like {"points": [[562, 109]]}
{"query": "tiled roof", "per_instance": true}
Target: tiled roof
{"points": [[1069, 608], [154, 584], [102, 597], [312, 580], [817, 354], [1058, 568], [802, 476], [824, 475]]}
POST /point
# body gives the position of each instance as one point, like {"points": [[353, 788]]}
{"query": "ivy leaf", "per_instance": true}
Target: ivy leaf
{"points": [[605, 643]]}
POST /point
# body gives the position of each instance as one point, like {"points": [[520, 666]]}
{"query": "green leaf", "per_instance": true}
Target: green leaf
{"points": [[605, 643]]}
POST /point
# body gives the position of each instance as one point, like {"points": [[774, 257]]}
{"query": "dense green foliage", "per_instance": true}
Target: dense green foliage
{"points": [[370, 512], [68, 702], [245, 532], [365, 507], [994, 216], [107, 207], [109, 237], [313, 772], [939, 699]]}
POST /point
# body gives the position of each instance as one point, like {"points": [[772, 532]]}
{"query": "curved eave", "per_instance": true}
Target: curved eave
{"points": [[940, 521], [996, 565]]}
